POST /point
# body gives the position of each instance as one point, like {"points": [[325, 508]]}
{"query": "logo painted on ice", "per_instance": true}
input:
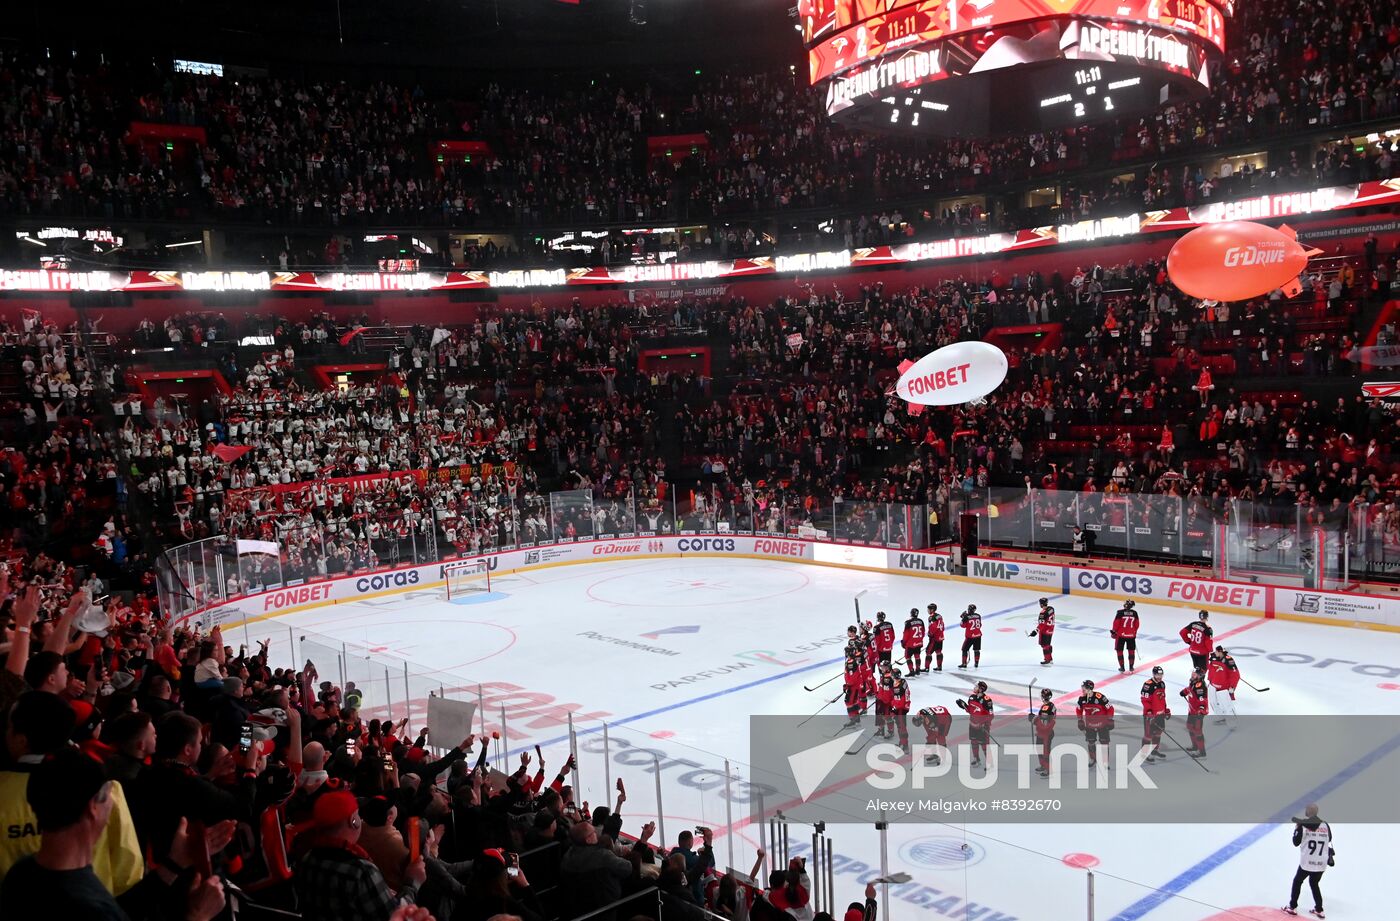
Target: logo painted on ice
{"points": [[940, 852]]}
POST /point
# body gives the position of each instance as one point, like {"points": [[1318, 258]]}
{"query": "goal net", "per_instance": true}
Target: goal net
{"points": [[467, 578]]}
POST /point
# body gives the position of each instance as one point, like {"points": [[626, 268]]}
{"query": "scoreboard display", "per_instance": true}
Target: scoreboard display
{"points": [[980, 67]]}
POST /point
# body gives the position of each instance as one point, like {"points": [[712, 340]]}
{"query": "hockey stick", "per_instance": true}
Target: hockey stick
{"points": [[1186, 751], [847, 726], [823, 707], [1252, 687], [857, 600], [1030, 695], [861, 747], [827, 681]]}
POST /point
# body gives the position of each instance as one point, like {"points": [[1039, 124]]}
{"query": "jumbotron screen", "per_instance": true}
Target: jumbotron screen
{"points": [[981, 67]]}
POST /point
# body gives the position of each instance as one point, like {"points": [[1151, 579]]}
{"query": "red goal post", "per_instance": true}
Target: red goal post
{"points": [[466, 578]]}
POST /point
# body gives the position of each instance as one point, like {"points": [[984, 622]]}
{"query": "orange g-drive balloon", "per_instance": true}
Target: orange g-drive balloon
{"points": [[1237, 260]]}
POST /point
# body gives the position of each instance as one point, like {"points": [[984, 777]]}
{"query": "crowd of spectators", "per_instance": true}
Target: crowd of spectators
{"points": [[153, 771], [137, 742], [317, 153], [466, 440]]}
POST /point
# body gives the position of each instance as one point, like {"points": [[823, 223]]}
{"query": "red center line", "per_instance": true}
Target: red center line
{"points": [[1003, 721]]}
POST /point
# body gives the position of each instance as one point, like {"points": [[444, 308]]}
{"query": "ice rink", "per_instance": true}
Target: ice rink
{"points": [[674, 655]]}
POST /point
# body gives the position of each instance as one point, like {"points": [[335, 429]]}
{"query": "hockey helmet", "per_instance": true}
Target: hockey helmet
{"points": [[1088, 684], [1044, 602], [1130, 603], [932, 606], [972, 609], [896, 673], [1205, 615], [1157, 670], [880, 616], [1046, 693], [981, 685]]}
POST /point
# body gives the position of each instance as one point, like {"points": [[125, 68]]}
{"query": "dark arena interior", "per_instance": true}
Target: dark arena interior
{"points": [[407, 408]]}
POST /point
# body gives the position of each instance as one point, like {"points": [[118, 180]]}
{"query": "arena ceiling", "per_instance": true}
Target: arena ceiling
{"points": [[491, 35]]}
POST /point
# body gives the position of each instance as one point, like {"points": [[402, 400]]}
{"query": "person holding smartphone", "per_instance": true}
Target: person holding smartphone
{"points": [[497, 886]]}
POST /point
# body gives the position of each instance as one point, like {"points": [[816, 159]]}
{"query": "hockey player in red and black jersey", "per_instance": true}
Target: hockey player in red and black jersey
{"points": [[936, 721], [1198, 637], [1124, 633], [972, 636], [913, 640], [1095, 715], [1224, 676], [1154, 714], [884, 693], [899, 707], [884, 637], [1043, 725], [869, 656], [855, 681], [1045, 629], [979, 714], [935, 638], [855, 648], [1197, 694]]}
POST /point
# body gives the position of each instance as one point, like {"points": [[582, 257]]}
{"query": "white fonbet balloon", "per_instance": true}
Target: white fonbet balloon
{"points": [[954, 374]]}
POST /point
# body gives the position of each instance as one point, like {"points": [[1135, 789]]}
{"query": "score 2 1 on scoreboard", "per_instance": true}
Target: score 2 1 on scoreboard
{"points": [[1147, 52]]}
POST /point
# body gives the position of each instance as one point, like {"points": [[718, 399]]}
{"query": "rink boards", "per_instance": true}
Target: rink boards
{"points": [[1340, 608]]}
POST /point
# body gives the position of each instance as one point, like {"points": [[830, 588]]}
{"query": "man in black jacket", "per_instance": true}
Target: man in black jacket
{"points": [[170, 788], [592, 876]]}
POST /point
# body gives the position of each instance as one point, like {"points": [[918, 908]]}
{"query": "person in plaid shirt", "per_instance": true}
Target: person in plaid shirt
{"points": [[336, 880]]}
